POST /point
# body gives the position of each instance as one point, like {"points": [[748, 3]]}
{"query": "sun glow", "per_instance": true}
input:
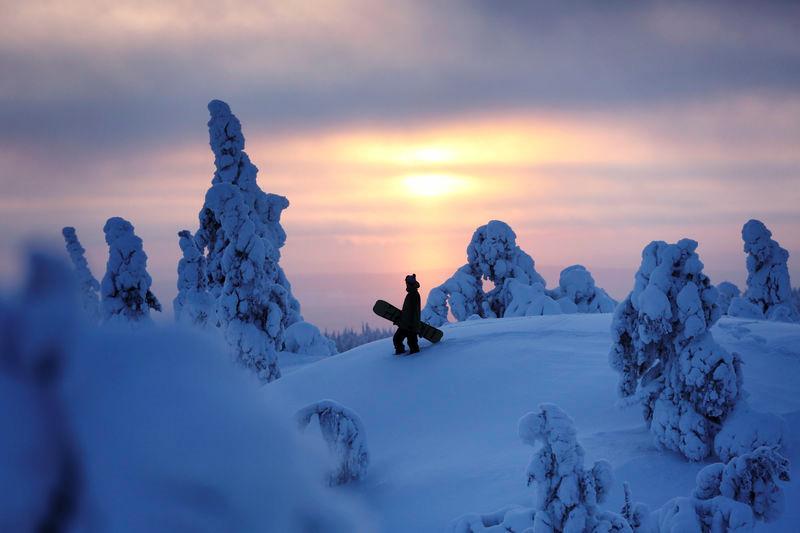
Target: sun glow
{"points": [[432, 185]]}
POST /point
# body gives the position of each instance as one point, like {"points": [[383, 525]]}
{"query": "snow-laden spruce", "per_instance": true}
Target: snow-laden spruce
{"points": [[727, 497], [769, 290], [463, 292], [241, 235], [492, 255], [125, 290], [193, 304], [344, 435], [88, 285], [577, 292], [666, 355], [306, 339], [567, 494], [727, 291]]}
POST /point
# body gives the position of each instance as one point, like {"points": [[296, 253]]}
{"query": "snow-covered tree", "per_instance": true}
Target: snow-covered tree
{"points": [[193, 304], [88, 285], [727, 497], [492, 255], [344, 434], [462, 291], [125, 289], [567, 495], [577, 292], [769, 291], [727, 292], [528, 300], [240, 236], [666, 355], [305, 338]]}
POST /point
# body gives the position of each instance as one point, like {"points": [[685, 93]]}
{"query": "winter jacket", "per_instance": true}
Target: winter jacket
{"points": [[410, 314]]}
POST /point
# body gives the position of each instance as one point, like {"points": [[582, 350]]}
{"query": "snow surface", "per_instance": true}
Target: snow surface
{"points": [[443, 424]]}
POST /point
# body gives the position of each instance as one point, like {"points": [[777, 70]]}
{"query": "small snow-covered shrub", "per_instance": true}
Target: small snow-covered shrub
{"points": [[577, 292], [89, 286], [193, 304], [528, 300], [666, 355], [727, 291], [305, 338], [769, 291], [746, 430], [344, 435], [125, 290]]}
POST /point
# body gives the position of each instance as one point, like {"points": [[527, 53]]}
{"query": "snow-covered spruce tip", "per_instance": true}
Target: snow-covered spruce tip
{"points": [[241, 235], [567, 494], [665, 354], [344, 434], [193, 304], [769, 290], [88, 285], [125, 290]]}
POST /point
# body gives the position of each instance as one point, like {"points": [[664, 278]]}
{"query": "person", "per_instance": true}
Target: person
{"points": [[408, 324]]}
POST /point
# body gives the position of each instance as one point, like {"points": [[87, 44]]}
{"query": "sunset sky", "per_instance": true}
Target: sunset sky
{"points": [[396, 128]]}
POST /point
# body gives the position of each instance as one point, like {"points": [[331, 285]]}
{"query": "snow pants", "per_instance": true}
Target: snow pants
{"points": [[405, 334]]}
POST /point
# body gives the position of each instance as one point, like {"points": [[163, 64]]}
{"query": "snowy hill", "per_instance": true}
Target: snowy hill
{"points": [[442, 425]]}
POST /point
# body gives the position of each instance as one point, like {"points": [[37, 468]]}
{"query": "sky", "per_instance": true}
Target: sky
{"points": [[397, 128]]}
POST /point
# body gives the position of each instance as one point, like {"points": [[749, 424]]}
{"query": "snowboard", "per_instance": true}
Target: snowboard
{"points": [[389, 312]]}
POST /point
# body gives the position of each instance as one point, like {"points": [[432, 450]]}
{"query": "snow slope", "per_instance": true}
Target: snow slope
{"points": [[442, 425]]}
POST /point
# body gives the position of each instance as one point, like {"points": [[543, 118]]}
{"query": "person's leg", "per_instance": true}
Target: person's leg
{"points": [[399, 335], [413, 345]]}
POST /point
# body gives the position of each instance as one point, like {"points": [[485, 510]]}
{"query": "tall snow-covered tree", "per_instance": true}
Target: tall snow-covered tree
{"points": [[577, 292], [769, 290], [241, 235], [665, 353], [125, 289], [193, 304], [88, 285]]}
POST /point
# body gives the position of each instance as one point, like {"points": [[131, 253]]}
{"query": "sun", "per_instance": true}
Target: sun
{"points": [[433, 185]]}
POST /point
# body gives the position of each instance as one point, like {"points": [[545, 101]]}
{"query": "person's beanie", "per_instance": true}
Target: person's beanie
{"points": [[411, 281]]}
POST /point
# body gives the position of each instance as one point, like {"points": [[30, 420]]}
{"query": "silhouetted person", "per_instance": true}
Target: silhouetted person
{"points": [[409, 318]]}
